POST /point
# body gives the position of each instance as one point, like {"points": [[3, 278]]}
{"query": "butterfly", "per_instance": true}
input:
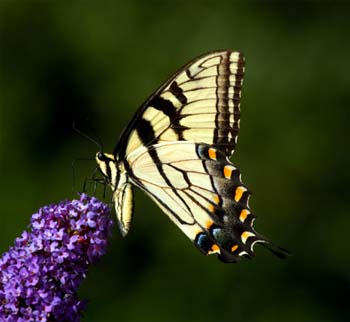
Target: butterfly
{"points": [[176, 149]]}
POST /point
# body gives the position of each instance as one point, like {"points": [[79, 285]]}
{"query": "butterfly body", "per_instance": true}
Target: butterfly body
{"points": [[176, 149]]}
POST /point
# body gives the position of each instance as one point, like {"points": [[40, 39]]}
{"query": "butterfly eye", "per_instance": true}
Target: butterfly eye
{"points": [[101, 156]]}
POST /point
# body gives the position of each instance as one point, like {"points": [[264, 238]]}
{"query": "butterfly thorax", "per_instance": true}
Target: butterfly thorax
{"points": [[109, 168]]}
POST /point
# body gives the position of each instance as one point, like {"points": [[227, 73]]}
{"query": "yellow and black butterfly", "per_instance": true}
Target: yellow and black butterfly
{"points": [[176, 149]]}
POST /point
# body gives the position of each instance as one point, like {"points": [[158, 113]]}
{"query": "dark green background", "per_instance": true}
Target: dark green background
{"points": [[95, 62]]}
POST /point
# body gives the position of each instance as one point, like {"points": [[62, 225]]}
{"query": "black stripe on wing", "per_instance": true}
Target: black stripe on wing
{"points": [[178, 92], [170, 111]]}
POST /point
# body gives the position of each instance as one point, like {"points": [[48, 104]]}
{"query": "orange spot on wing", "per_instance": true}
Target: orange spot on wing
{"points": [[211, 207], [245, 235], [212, 153], [233, 248], [214, 249], [216, 199], [239, 193], [228, 171], [243, 215], [208, 224]]}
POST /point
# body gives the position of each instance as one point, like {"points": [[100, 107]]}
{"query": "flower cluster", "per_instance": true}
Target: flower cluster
{"points": [[40, 274]]}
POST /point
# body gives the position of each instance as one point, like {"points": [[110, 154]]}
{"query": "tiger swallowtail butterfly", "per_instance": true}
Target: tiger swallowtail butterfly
{"points": [[177, 148]]}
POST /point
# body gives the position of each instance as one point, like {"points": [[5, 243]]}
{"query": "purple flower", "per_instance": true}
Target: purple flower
{"points": [[41, 273]]}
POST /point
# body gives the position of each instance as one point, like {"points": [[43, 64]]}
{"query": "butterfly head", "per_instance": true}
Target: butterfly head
{"points": [[107, 166]]}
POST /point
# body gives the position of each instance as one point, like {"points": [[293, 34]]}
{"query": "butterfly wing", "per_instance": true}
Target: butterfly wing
{"points": [[201, 192], [176, 149], [199, 103]]}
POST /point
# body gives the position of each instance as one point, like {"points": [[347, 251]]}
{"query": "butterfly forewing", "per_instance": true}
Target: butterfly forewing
{"points": [[200, 103]]}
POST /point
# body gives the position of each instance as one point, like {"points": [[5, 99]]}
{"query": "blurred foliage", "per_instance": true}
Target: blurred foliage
{"points": [[94, 62]]}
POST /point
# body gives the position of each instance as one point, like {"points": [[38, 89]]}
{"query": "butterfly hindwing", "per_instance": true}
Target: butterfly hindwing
{"points": [[201, 192]]}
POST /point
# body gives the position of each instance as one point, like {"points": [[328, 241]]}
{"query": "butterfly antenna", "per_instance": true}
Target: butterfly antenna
{"points": [[98, 142]]}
